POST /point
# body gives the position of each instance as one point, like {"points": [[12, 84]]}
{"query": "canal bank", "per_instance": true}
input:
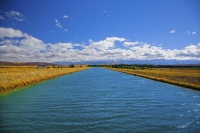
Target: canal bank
{"points": [[184, 78], [13, 78]]}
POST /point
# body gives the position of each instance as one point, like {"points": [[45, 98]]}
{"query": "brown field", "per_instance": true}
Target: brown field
{"points": [[184, 77], [12, 78]]}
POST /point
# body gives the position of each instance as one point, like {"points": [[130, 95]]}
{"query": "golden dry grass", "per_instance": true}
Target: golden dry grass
{"points": [[15, 77], [189, 78]]}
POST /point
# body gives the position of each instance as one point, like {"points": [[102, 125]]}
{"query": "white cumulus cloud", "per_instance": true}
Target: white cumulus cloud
{"points": [[10, 33], [18, 46], [129, 44], [108, 43]]}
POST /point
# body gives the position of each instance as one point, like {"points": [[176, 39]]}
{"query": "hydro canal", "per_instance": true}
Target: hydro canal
{"points": [[100, 100]]}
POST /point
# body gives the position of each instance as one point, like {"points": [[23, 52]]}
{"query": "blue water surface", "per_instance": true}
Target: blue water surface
{"points": [[100, 100]]}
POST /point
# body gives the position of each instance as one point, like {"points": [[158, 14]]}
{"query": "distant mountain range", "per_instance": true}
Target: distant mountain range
{"points": [[153, 62], [111, 62], [3, 63]]}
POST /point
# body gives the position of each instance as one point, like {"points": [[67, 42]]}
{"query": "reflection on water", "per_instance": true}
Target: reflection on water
{"points": [[100, 100]]}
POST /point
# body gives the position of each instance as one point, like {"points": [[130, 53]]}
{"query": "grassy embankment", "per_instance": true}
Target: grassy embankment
{"points": [[189, 78], [12, 78]]}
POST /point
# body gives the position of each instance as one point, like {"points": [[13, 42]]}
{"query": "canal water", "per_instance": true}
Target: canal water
{"points": [[100, 100]]}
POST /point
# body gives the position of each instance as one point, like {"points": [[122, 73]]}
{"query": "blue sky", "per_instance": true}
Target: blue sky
{"points": [[90, 30]]}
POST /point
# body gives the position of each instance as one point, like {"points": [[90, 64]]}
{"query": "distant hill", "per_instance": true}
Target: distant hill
{"points": [[107, 62], [3, 63], [153, 62]]}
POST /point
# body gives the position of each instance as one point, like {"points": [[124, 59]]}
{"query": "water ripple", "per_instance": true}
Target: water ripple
{"points": [[99, 100]]}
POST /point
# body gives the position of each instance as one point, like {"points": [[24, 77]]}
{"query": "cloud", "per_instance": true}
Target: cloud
{"points": [[190, 52], [16, 15], [172, 31], [31, 44], [18, 46], [129, 44], [187, 32], [10, 33], [58, 23], [65, 16], [108, 43], [105, 11], [65, 30], [60, 47], [1, 17], [194, 32]]}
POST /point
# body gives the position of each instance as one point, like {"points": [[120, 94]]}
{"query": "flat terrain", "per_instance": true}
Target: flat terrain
{"points": [[184, 77], [12, 78]]}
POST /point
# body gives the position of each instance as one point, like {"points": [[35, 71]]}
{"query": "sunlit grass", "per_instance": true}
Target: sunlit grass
{"points": [[189, 78], [16, 77]]}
